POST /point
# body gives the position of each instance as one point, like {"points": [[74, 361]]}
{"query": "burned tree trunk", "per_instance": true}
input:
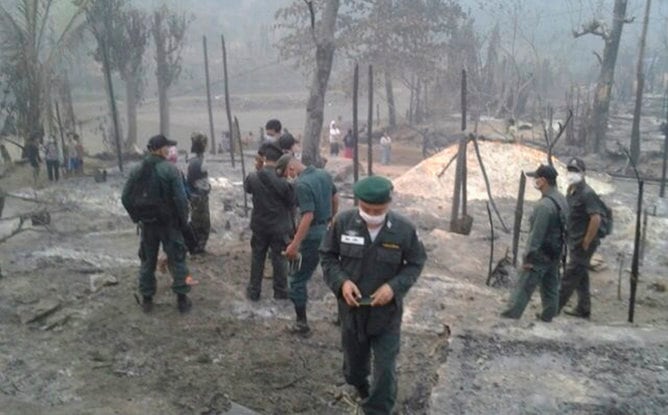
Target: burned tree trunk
{"points": [[389, 92], [598, 122], [324, 54], [131, 111], [640, 86]]}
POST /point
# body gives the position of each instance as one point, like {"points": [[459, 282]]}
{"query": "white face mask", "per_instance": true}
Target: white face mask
{"points": [[372, 220], [573, 177]]}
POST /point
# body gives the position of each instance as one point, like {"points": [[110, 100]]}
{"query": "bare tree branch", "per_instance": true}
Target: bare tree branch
{"points": [[595, 27], [598, 57]]}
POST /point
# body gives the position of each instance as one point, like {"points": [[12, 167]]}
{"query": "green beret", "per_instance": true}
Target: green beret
{"points": [[376, 190]]}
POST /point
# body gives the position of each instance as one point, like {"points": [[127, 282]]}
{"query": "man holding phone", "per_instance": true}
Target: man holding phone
{"points": [[370, 258]]}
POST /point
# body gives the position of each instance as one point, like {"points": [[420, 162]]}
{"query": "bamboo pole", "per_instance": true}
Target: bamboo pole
{"points": [[227, 100], [208, 96]]}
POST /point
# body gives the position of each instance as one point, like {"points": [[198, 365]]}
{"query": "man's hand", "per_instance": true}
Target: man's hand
{"points": [[350, 293], [585, 245], [291, 251], [383, 295]]}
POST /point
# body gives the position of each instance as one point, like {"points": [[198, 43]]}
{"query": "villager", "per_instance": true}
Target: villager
{"points": [[198, 192], [371, 256]]}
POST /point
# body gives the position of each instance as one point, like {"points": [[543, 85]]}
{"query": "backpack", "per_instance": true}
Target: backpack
{"points": [[606, 226], [147, 203]]}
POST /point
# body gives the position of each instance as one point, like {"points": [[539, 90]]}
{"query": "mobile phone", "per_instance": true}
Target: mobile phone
{"points": [[365, 301]]}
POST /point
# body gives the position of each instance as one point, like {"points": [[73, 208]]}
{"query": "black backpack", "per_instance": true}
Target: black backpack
{"points": [[147, 202], [606, 226]]}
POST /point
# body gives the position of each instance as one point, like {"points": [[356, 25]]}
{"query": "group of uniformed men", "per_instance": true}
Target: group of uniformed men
{"points": [[371, 256]]}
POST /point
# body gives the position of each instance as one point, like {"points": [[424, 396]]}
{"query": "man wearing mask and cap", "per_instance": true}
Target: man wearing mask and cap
{"points": [[540, 264], [371, 256], [155, 198], [318, 202], [583, 223]]}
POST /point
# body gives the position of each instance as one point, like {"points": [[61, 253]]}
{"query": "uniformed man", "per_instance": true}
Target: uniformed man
{"points": [[540, 266], [318, 203], [271, 222], [371, 256], [583, 223], [198, 183], [170, 215]]}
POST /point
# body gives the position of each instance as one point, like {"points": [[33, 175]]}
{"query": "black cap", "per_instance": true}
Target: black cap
{"points": [[576, 164], [287, 141], [159, 141], [545, 171]]}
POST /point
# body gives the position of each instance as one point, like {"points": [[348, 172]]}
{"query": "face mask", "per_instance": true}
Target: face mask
{"points": [[298, 156], [372, 220], [573, 177]]}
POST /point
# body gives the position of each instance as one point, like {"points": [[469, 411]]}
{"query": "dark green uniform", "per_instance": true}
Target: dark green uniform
{"points": [[582, 202], [168, 233], [395, 257], [314, 189], [543, 252]]}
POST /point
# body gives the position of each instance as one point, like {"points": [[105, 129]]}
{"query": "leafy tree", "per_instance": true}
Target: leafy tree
{"points": [[32, 49]]}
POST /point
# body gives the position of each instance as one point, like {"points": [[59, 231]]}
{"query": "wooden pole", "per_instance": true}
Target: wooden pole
{"points": [[636, 254], [60, 130], [237, 132], [487, 185], [519, 212], [208, 96], [662, 191], [370, 125], [355, 140], [463, 99], [227, 100], [457, 191]]}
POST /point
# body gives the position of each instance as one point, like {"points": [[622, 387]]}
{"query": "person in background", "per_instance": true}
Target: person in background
{"points": [[199, 189], [334, 138], [272, 133], [289, 145], [371, 256], [271, 222], [52, 159], [348, 144], [385, 149]]}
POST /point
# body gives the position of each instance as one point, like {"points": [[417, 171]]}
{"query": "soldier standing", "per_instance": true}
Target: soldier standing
{"points": [[371, 257], [318, 202], [540, 264], [155, 198], [584, 221], [199, 188]]}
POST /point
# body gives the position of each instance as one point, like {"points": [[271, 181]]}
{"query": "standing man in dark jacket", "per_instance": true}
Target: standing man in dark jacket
{"points": [[271, 223], [318, 202], [371, 257], [540, 264], [161, 217], [198, 183], [584, 221]]}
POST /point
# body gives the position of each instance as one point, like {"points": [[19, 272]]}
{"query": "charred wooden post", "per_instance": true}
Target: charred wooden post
{"points": [[356, 173], [370, 125], [237, 132], [62, 137], [208, 96], [635, 262], [491, 245], [487, 185], [519, 212], [227, 100], [463, 99], [664, 129]]}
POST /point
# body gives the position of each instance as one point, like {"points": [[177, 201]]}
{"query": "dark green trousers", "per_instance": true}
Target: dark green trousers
{"points": [[576, 278], [201, 220], [171, 239], [357, 363], [298, 282], [547, 277]]}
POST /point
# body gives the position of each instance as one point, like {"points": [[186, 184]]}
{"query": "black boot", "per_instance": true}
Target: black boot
{"points": [[147, 304], [183, 302]]}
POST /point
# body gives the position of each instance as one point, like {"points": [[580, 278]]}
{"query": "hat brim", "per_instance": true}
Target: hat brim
{"points": [[530, 174], [574, 168]]}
